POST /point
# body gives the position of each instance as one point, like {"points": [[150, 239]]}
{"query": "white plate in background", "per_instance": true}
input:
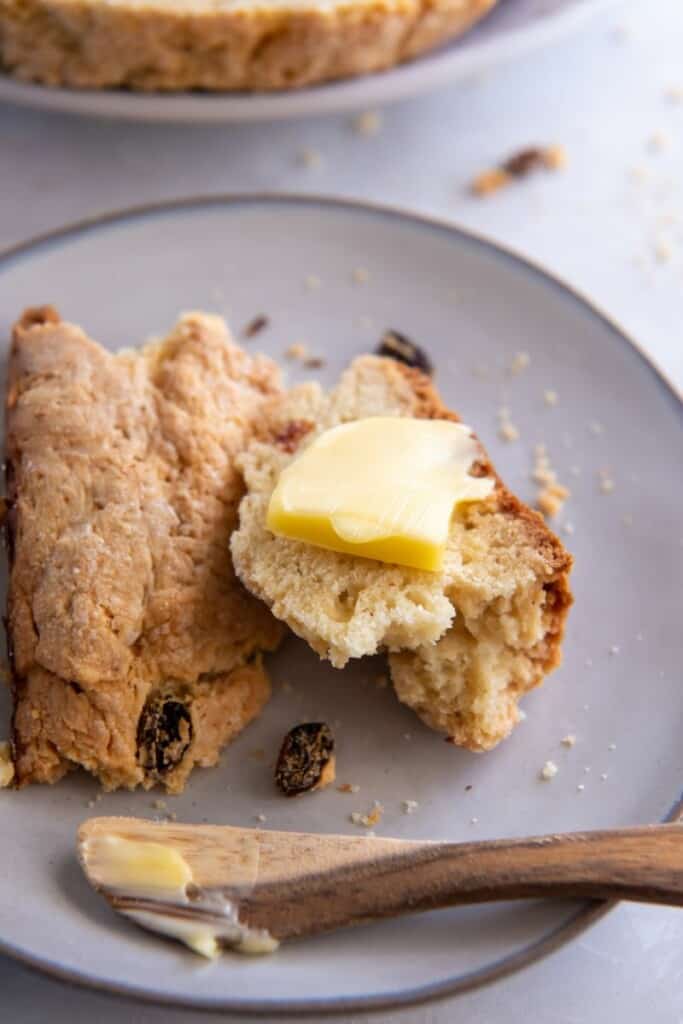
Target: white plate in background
{"points": [[513, 28]]}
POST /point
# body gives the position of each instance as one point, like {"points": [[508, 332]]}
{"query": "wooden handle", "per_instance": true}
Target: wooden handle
{"points": [[643, 864]]}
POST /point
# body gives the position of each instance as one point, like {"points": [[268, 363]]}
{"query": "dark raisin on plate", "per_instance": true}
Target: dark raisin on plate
{"points": [[306, 760], [164, 734], [255, 326], [395, 345]]}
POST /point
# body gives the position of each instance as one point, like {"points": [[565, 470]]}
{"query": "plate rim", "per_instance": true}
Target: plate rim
{"points": [[425, 74], [587, 913]]}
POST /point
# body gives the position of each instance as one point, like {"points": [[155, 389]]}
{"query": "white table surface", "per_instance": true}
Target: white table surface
{"points": [[611, 225]]}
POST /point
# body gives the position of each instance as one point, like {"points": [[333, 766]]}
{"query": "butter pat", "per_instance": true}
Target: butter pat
{"points": [[140, 869], [383, 488], [153, 884]]}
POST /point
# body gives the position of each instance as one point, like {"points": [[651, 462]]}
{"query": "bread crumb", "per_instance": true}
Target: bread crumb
{"points": [[6, 764], [312, 282], [663, 251], [309, 158], [521, 715], [409, 806], [260, 817], [555, 157], [581, 787], [586, 769], [369, 820], [548, 771], [614, 649], [348, 787], [159, 805], [596, 427], [550, 500], [519, 363], [171, 816], [369, 123], [360, 275], [606, 482], [639, 174], [507, 431], [487, 182], [569, 740], [314, 362], [296, 351], [552, 494], [612, 746], [474, 821], [604, 777], [657, 142], [550, 397]]}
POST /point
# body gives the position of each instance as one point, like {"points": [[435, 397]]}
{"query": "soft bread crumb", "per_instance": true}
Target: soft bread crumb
{"points": [[310, 158], [548, 771], [551, 495], [369, 820], [519, 363], [368, 123]]}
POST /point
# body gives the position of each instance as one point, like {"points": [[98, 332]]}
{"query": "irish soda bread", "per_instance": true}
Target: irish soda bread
{"points": [[220, 44], [134, 649], [499, 606]]}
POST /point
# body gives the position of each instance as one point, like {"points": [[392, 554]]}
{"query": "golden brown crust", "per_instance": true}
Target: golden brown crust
{"points": [[92, 44], [546, 654], [123, 492]]}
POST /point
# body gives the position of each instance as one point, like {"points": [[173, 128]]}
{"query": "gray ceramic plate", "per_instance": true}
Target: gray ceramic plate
{"points": [[473, 307], [515, 27]]}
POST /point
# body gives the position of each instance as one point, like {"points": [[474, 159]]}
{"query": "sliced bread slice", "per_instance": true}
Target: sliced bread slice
{"points": [[501, 599], [134, 648]]}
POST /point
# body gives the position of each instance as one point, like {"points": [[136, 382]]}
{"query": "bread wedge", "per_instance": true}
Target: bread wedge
{"points": [[465, 643], [135, 651], [160, 45]]}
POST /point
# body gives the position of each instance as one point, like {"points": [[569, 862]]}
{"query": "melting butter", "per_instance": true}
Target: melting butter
{"points": [[383, 487], [152, 884], [139, 868]]}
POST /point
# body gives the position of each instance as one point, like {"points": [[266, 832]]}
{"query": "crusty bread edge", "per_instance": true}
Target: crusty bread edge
{"points": [[90, 44]]}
